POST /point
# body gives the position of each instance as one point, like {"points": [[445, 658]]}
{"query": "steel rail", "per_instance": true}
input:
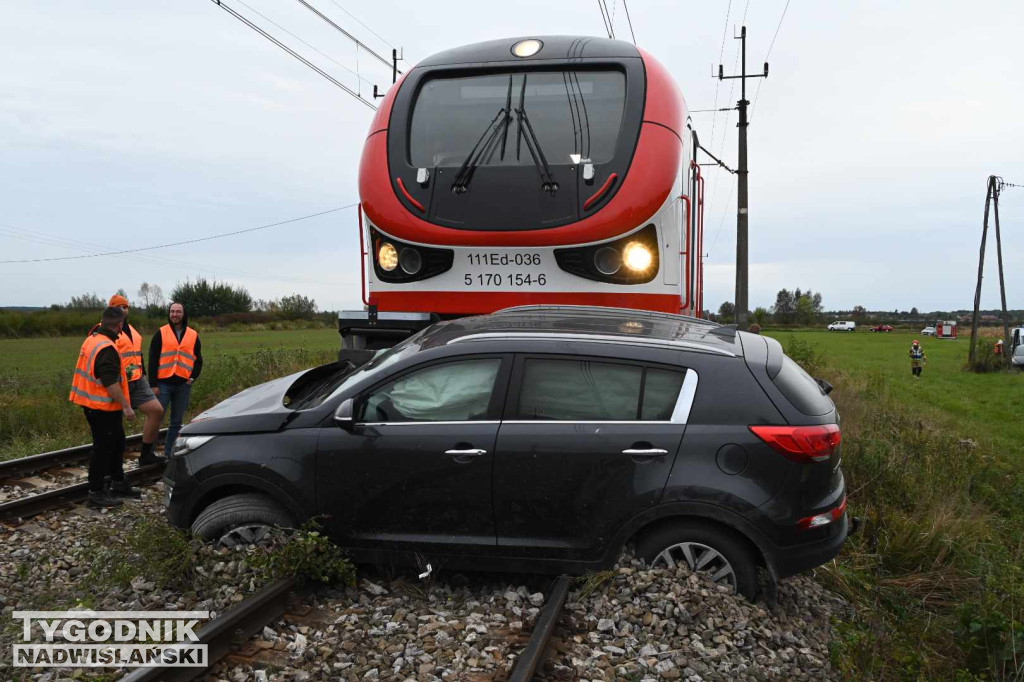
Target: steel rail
{"points": [[225, 632], [533, 655], [27, 465], [31, 505]]}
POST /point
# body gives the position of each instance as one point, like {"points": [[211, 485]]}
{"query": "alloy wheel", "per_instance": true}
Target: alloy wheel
{"points": [[247, 534], [698, 557]]}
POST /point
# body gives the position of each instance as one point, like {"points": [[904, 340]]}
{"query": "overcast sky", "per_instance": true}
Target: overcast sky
{"points": [[125, 125]]}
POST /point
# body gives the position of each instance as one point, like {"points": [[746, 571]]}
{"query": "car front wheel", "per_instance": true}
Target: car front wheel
{"points": [[705, 548], [244, 519]]}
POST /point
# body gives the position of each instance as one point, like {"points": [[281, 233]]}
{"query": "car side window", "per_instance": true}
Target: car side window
{"points": [[454, 391], [579, 390], [661, 390]]}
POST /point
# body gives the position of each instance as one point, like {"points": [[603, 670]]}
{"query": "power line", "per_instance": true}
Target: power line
{"points": [[768, 54], [629, 21], [721, 51], [608, 29], [293, 53], [348, 35], [182, 243], [161, 261], [356, 19], [320, 52]]}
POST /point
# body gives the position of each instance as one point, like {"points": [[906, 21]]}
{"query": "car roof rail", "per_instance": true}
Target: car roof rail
{"points": [[540, 307], [673, 344]]}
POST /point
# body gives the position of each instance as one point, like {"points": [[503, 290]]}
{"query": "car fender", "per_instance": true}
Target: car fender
{"points": [[263, 481], [699, 510]]}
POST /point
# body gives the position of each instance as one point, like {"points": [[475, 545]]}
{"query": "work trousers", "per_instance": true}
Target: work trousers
{"points": [[177, 396], [108, 442]]}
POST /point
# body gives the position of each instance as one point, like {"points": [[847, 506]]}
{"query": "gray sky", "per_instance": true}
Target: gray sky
{"points": [[124, 125]]}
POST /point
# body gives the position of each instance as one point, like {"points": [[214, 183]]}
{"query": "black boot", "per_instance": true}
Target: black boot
{"points": [[148, 457], [124, 489], [100, 498]]}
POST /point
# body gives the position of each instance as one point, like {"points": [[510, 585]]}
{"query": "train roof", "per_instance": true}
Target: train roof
{"points": [[554, 47]]}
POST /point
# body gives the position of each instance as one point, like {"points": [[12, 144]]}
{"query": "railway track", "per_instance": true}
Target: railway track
{"points": [[227, 635], [44, 473]]}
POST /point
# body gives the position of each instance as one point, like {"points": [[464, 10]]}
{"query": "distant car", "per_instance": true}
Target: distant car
{"points": [[1018, 357], [541, 437], [882, 328], [840, 326], [928, 331]]}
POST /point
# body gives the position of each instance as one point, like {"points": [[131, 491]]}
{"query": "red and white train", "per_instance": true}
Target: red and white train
{"points": [[547, 170]]}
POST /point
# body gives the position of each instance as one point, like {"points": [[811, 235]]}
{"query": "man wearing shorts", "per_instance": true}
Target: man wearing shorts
{"points": [[129, 345]]}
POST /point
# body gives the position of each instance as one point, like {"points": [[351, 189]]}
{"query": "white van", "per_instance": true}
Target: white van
{"points": [[842, 326]]}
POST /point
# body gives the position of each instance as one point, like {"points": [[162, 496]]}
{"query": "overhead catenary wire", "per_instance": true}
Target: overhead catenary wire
{"points": [[318, 51], [757, 93], [604, 17], [183, 242], [383, 60], [629, 21], [314, 67], [377, 35]]}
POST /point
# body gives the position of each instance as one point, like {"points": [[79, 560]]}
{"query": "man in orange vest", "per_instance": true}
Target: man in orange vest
{"points": [[129, 345], [100, 386], [175, 361]]}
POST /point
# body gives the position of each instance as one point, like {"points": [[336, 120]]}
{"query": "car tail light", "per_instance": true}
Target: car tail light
{"points": [[824, 519], [801, 443]]}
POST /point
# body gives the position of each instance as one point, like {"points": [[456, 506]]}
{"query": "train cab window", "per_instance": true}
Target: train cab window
{"points": [[573, 114]]}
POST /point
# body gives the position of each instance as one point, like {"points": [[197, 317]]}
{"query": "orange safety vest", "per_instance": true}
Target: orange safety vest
{"points": [[176, 358], [131, 353], [86, 389]]}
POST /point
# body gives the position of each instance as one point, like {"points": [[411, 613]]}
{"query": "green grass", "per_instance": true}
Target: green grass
{"points": [[35, 415], [935, 467]]}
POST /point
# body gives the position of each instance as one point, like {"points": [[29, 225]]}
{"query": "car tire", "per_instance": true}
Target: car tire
{"points": [[244, 519], [727, 553]]}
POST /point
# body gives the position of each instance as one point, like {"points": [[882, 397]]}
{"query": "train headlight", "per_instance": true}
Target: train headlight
{"points": [[410, 260], [637, 257], [607, 260], [527, 48], [387, 256]]}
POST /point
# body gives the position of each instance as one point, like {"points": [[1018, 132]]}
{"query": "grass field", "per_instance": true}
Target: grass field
{"points": [[935, 466], [35, 415]]}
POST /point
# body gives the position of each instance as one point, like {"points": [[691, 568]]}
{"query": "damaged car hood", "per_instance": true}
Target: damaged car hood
{"points": [[257, 408]]}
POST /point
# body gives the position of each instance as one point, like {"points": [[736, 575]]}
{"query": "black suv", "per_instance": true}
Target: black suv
{"points": [[536, 438]]}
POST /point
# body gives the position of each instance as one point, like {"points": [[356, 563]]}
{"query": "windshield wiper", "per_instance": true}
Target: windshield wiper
{"points": [[548, 183], [485, 146]]}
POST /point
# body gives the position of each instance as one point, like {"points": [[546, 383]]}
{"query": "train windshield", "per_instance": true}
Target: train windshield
{"points": [[573, 115]]}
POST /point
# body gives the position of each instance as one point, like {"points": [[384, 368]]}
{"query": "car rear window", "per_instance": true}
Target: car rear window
{"points": [[661, 389], [801, 389]]}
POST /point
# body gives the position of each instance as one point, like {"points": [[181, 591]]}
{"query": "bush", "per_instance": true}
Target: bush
{"points": [[307, 555]]}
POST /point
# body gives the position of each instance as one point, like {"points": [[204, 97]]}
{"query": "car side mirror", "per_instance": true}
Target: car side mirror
{"points": [[343, 415]]}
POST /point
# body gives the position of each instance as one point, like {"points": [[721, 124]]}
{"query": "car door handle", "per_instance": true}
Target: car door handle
{"points": [[472, 452], [646, 452]]}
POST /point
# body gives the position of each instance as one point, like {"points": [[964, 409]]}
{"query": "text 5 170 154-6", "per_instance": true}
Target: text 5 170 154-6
{"points": [[510, 279]]}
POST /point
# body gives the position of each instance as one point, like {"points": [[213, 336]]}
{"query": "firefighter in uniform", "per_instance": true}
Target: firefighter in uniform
{"points": [[129, 345], [100, 386], [917, 358]]}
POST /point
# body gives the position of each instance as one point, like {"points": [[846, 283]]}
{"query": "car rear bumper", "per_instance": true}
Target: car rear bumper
{"points": [[798, 558]]}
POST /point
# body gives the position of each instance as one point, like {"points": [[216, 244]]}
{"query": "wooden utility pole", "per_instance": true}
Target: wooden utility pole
{"points": [[742, 282], [995, 186]]}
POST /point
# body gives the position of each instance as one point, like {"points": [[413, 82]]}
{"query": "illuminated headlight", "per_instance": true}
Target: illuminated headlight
{"points": [[607, 260], [409, 260], [637, 257], [187, 444], [527, 48], [387, 256]]}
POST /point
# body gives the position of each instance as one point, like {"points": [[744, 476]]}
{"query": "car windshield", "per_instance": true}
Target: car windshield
{"points": [[381, 361], [572, 113]]}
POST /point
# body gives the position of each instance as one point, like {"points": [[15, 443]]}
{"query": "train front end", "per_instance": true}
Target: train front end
{"points": [[548, 170]]}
